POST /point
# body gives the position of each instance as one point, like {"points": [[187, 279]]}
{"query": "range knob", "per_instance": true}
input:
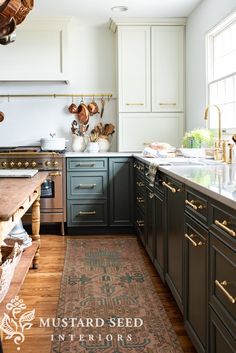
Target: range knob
{"points": [[33, 164], [48, 164], [26, 164], [19, 164], [12, 164], [4, 164], [55, 164]]}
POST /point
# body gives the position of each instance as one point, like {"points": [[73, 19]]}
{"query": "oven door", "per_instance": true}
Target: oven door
{"points": [[52, 193]]}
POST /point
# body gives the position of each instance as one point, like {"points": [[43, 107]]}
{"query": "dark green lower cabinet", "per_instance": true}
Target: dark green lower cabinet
{"points": [[195, 283], [159, 234], [150, 222], [221, 340], [121, 191], [175, 231]]}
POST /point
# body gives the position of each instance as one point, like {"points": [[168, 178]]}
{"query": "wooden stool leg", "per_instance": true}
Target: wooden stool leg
{"points": [[36, 229]]}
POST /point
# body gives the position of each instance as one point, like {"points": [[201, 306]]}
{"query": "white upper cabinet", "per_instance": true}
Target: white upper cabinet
{"points": [[38, 54], [167, 68], [134, 69], [151, 68]]}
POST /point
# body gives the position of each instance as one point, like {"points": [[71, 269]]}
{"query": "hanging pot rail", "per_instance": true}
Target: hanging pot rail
{"points": [[56, 95]]}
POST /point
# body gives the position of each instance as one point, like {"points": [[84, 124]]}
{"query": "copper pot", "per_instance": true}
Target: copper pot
{"points": [[8, 29], [83, 113], [73, 108], [8, 9], [26, 6], [93, 108]]}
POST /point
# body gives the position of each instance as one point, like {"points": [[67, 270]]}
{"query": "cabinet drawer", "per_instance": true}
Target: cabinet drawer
{"points": [[87, 185], [75, 164], [220, 339], [87, 213], [223, 222], [196, 205], [223, 281]]}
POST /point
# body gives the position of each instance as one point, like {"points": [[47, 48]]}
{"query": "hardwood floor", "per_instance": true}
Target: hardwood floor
{"points": [[41, 288]]}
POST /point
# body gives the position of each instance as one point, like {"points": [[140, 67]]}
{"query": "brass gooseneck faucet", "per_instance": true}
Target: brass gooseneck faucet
{"points": [[219, 118], [218, 152]]}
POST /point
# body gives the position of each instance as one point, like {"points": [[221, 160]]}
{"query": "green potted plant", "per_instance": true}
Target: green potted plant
{"points": [[196, 141]]}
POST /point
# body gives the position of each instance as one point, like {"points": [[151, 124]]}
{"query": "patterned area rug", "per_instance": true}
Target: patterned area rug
{"points": [[108, 303]]}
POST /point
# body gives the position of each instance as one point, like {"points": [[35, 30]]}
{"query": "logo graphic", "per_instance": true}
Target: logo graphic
{"points": [[20, 321]]}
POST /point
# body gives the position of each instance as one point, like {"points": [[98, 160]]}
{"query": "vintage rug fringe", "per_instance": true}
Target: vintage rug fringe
{"points": [[107, 280]]}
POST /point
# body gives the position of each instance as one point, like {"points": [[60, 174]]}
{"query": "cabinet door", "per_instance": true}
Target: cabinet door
{"points": [[195, 279], [159, 259], [167, 68], [150, 223], [175, 231], [121, 191], [134, 68]]}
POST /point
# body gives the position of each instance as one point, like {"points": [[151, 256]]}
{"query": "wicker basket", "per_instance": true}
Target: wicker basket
{"points": [[10, 259]]}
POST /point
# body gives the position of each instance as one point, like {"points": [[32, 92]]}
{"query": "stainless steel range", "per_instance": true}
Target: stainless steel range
{"points": [[53, 189]]}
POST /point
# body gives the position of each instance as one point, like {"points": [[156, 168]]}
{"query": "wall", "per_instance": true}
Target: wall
{"points": [[92, 68], [201, 20]]}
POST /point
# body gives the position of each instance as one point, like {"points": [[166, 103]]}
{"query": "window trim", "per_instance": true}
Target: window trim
{"points": [[219, 27]]}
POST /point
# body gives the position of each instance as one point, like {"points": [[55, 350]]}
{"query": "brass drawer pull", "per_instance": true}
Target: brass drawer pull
{"points": [[191, 204], [87, 186], [55, 174], [169, 187], [86, 213], [222, 286], [140, 199], [223, 225], [194, 243], [140, 223], [135, 104], [139, 167], [139, 183], [166, 103], [89, 165]]}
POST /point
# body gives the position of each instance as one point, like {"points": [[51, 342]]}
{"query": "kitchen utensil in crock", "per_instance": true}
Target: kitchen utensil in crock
{"points": [[1, 116], [93, 107], [83, 113]]}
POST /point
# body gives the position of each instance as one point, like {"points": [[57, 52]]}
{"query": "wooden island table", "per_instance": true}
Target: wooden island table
{"points": [[17, 195]]}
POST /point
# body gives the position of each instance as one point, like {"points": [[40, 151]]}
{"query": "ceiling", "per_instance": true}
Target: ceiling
{"points": [[98, 12]]}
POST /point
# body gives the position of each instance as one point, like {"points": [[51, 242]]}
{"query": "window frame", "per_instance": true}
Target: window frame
{"points": [[209, 43]]}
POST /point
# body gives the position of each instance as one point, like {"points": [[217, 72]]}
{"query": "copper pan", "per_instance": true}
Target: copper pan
{"points": [[8, 9], [26, 6], [83, 113], [8, 29]]}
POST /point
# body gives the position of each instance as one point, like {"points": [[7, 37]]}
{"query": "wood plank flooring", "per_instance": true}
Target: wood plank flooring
{"points": [[41, 290]]}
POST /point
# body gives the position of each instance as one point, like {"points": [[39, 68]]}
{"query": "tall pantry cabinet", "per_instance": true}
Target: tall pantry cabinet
{"points": [[150, 83]]}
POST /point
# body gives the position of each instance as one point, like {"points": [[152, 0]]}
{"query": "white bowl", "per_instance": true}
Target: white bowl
{"points": [[193, 152]]}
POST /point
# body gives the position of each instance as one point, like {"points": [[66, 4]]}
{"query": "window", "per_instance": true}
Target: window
{"points": [[221, 73]]}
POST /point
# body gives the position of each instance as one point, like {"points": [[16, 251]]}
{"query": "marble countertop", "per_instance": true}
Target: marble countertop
{"points": [[212, 178]]}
